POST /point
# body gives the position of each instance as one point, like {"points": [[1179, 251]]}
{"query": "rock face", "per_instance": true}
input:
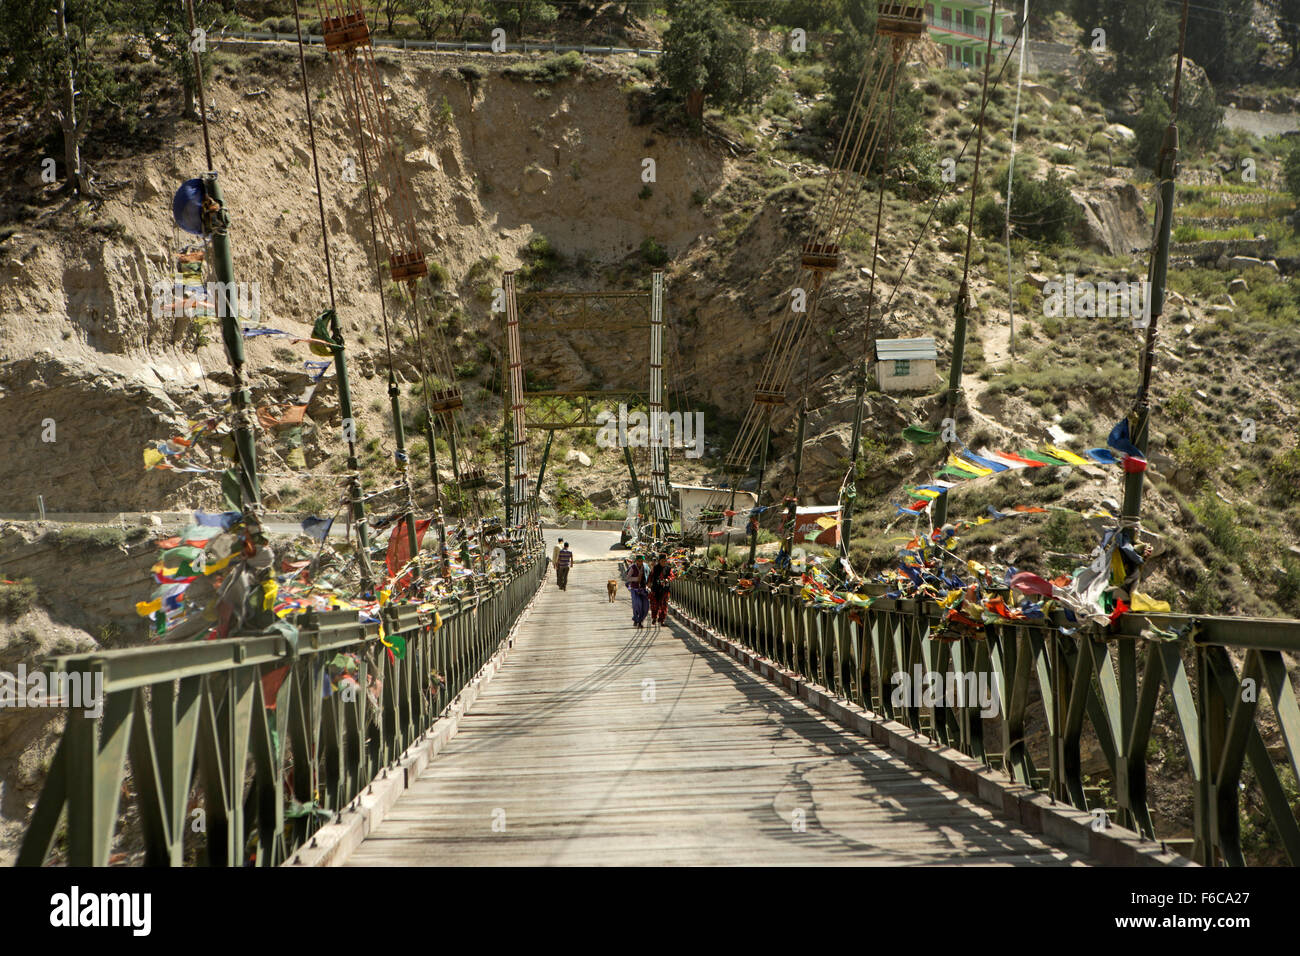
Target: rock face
{"points": [[80, 432], [86, 599], [1114, 219]]}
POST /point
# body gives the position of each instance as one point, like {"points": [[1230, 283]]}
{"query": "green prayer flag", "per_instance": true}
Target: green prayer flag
{"points": [[918, 435], [1045, 459], [321, 330]]}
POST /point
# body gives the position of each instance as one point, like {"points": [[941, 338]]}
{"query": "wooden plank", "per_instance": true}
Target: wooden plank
{"points": [[599, 744]]}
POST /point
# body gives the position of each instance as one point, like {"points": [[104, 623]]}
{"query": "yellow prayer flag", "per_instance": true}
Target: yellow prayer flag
{"points": [[1065, 455], [1144, 602], [151, 457], [1117, 574], [956, 462], [145, 608], [216, 566]]}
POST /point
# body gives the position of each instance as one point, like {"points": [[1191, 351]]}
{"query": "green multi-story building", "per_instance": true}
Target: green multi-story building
{"points": [[961, 28]]}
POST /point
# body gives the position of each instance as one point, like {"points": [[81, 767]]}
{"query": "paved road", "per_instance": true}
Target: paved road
{"points": [[587, 545], [600, 744]]}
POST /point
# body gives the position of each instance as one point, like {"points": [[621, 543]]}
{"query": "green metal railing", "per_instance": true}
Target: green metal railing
{"points": [[238, 750], [1213, 676]]}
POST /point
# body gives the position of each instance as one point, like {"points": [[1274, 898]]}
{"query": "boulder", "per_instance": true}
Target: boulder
{"points": [[1244, 262], [581, 457], [1114, 220], [536, 179]]}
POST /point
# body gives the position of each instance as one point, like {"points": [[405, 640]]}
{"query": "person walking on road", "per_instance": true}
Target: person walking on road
{"points": [[660, 575], [635, 579], [562, 564]]}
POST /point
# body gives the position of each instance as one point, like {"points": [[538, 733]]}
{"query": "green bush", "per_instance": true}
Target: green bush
{"points": [[541, 260], [1284, 475], [1041, 209], [16, 598], [653, 253], [76, 538], [550, 70]]}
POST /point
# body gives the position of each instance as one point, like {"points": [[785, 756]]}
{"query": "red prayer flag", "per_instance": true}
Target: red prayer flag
{"points": [[399, 547]]}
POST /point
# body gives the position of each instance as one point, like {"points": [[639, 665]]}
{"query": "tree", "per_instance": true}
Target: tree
{"points": [[707, 55], [849, 56], [1291, 170], [53, 48], [911, 154], [1199, 118], [525, 15], [164, 25], [1288, 22], [390, 8], [430, 15], [1221, 41], [1138, 35]]}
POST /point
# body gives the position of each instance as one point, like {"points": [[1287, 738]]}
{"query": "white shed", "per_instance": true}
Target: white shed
{"points": [[904, 365]]}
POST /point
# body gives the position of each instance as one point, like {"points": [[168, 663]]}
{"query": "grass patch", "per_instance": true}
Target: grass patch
{"points": [[88, 538]]}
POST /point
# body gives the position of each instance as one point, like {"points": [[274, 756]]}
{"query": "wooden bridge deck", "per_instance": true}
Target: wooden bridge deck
{"points": [[573, 760]]}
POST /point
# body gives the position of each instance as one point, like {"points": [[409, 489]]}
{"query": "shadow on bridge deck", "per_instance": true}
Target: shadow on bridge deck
{"points": [[600, 744]]}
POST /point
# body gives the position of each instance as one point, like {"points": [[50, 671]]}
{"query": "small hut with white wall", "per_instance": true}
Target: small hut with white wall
{"points": [[906, 365]]}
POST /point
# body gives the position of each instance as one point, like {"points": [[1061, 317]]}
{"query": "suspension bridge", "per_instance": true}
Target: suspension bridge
{"points": [[450, 707]]}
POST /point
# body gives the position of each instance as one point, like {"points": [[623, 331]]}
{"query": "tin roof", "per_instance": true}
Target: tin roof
{"points": [[889, 349]]}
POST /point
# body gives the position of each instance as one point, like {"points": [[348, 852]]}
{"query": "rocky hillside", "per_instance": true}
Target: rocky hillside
{"points": [[535, 163]]}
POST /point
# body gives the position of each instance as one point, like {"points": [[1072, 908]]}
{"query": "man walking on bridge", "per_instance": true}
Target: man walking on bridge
{"points": [[562, 565], [636, 580]]}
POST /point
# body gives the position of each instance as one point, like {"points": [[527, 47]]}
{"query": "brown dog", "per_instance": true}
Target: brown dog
{"points": [[612, 587]]}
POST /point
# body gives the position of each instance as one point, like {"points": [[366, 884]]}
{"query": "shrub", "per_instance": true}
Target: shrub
{"points": [[16, 598], [550, 70], [91, 538], [541, 259], [1041, 209], [1284, 475], [653, 253]]}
